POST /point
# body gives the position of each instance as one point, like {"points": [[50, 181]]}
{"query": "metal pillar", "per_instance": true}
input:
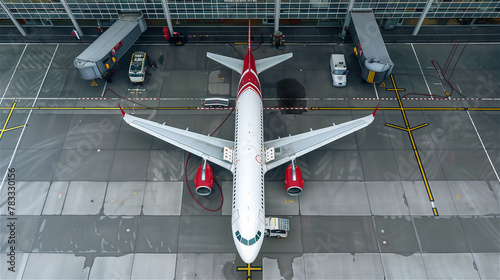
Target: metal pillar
{"points": [[472, 26], [71, 17], [277, 8], [347, 18], [422, 17], [7, 12], [167, 17]]}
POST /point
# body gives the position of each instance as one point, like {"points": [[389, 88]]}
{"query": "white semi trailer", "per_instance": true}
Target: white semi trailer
{"points": [[105, 51], [369, 46]]}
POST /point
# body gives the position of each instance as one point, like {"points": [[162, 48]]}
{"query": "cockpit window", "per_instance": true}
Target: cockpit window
{"points": [[247, 242]]}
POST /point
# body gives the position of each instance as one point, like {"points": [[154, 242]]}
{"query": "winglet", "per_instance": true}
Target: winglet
{"points": [[374, 112], [123, 112]]}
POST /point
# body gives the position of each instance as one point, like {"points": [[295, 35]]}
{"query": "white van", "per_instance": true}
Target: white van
{"points": [[338, 70]]}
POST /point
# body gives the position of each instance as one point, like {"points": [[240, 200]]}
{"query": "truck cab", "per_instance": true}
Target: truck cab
{"points": [[276, 227], [338, 70], [137, 70]]}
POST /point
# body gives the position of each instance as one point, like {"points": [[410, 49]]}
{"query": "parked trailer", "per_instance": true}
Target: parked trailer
{"points": [[369, 46], [104, 52]]}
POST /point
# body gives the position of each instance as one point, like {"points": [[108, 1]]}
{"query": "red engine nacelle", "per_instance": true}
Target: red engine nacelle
{"points": [[204, 180], [293, 184]]}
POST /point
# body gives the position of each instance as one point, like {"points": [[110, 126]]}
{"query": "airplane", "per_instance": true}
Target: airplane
{"points": [[248, 157]]}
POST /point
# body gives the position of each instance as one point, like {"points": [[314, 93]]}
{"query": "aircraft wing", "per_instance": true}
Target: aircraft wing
{"points": [[291, 147], [233, 63], [210, 148], [266, 63]]}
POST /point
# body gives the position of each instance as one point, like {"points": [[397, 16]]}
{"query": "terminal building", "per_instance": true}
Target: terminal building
{"points": [[388, 13]]}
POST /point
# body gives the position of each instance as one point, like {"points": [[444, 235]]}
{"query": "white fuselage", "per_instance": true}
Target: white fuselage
{"points": [[248, 209]]}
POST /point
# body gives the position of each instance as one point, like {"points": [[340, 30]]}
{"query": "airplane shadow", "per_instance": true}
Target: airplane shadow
{"points": [[290, 94]]}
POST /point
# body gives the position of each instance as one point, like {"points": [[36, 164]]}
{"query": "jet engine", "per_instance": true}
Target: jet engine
{"points": [[293, 180], [204, 179]]}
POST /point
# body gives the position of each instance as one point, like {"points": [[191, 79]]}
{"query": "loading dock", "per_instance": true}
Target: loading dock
{"points": [[369, 46], [103, 54]]}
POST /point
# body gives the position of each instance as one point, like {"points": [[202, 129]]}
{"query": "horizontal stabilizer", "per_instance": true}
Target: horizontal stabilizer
{"points": [[233, 63], [266, 63]]}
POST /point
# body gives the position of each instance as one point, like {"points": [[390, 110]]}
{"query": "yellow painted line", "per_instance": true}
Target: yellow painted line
{"points": [[12, 128], [400, 102], [8, 117], [342, 108], [410, 134], [99, 108], [407, 108], [396, 126], [59, 108], [4, 129], [483, 109], [176, 108], [241, 43], [435, 211], [396, 89], [421, 167], [249, 270], [312, 108], [439, 109], [420, 126]]}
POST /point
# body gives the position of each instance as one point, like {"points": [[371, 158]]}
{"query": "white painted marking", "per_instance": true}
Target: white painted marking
{"points": [[459, 89], [376, 92], [484, 148], [422, 71], [28, 118], [12, 76], [104, 88]]}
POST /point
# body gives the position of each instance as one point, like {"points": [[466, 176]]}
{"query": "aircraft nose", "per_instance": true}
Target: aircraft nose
{"points": [[248, 254]]}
